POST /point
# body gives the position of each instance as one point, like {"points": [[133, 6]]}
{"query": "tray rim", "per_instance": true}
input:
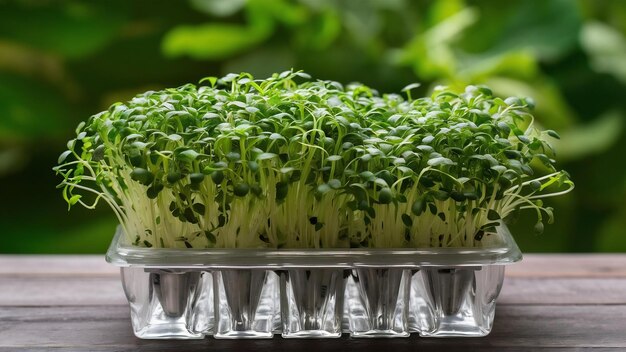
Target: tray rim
{"points": [[125, 255]]}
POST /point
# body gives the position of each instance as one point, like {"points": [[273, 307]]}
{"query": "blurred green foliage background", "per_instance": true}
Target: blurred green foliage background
{"points": [[61, 61]]}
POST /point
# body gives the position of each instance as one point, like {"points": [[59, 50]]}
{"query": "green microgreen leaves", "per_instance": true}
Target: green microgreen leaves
{"points": [[142, 176], [243, 162], [241, 189], [385, 196]]}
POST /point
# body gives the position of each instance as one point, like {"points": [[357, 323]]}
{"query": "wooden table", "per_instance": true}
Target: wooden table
{"points": [[548, 303]]}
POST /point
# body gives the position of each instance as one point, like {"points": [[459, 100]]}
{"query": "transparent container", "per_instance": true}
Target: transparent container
{"points": [[378, 303], [257, 293], [246, 303], [312, 302]]}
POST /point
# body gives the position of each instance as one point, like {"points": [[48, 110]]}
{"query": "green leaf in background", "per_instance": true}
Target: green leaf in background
{"points": [[12, 159], [610, 237], [430, 53], [320, 32], [263, 61], [606, 48], [48, 235], [220, 8], [593, 138], [611, 232], [551, 109], [443, 9], [288, 12], [548, 29], [360, 19], [68, 28], [610, 12], [211, 41], [534, 31], [30, 109], [216, 41], [480, 67]]}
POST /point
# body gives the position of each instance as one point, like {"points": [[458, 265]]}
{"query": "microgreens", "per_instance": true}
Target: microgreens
{"points": [[274, 163]]}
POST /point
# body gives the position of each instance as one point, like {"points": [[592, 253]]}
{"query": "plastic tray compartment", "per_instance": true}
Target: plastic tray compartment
{"points": [[257, 293]]}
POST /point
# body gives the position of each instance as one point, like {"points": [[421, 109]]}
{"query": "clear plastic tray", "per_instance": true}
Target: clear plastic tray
{"points": [[257, 293]]}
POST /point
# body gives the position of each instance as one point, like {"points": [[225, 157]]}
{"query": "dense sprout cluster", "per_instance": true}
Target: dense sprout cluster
{"points": [[274, 163]]}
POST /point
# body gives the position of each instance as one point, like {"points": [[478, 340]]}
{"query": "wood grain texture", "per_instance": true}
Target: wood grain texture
{"points": [[554, 291], [570, 266], [548, 303], [61, 290], [66, 265], [516, 327]]}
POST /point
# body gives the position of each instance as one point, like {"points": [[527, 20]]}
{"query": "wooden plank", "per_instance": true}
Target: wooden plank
{"points": [[516, 328], [569, 265], [53, 290], [548, 303], [63, 265], [563, 291]]}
